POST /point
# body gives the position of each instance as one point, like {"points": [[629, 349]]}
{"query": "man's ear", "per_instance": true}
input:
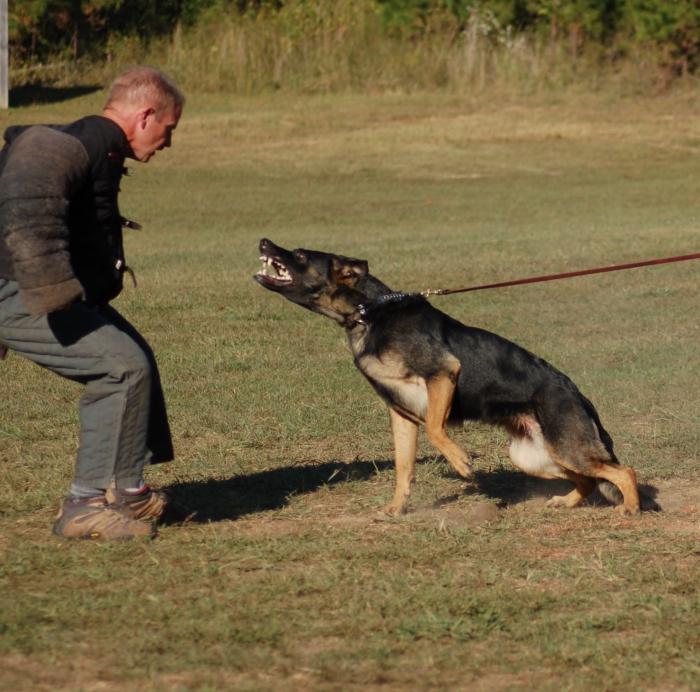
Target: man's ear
{"points": [[143, 116], [347, 271]]}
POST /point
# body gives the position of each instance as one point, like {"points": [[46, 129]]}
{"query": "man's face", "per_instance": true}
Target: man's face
{"points": [[153, 132]]}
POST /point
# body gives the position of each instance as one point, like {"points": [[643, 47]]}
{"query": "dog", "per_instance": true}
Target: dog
{"points": [[431, 369]]}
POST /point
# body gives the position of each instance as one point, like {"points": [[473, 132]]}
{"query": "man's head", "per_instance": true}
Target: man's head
{"points": [[147, 106]]}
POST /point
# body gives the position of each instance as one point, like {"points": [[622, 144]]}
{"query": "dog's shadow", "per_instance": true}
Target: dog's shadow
{"points": [[231, 498], [510, 487]]}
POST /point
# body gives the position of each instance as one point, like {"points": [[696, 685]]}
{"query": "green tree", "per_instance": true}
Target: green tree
{"points": [[671, 28], [39, 28]]}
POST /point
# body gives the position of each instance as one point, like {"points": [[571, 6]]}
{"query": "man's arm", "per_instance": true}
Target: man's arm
{"points": [[43, 169]]}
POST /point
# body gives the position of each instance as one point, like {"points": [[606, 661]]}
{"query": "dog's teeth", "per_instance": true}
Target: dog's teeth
{"points": [[274, 269]]}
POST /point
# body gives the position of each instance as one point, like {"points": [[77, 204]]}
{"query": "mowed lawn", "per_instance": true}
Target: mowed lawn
{"points": [[289, 577]]}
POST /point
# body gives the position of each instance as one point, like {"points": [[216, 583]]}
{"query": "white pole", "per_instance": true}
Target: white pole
{"points": [[4, 59]]}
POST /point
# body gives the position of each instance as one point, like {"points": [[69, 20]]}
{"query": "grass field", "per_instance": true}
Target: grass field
{"points": [[289, 577]]}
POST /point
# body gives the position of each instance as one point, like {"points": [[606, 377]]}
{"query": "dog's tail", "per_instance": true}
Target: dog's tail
{"points": [[612, 494]]}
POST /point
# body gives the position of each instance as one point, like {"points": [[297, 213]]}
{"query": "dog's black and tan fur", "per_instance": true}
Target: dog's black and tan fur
{"points": [[431, 369]]}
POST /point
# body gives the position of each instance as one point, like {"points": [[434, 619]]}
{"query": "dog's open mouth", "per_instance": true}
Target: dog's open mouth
{"points": [[273, 272]]}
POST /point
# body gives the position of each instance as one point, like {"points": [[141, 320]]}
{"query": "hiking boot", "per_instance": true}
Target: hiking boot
{"points": [[93, 518], [147, 503]]}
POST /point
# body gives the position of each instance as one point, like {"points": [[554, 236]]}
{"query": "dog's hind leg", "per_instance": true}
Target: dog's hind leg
{"points": [[405, 433], [624, 478], [584, 487], [441, 389], [578, 443], [587, 467]]}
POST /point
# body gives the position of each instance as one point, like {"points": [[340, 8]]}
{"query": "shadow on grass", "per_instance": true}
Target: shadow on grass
{"points": [[231, 498], [33, 94], [510, 487]]}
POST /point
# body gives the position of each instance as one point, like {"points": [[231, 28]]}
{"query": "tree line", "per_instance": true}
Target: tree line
{"points": [[43, 30]]}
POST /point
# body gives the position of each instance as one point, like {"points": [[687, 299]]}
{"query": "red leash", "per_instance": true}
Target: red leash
{"points": [[565, 275]]}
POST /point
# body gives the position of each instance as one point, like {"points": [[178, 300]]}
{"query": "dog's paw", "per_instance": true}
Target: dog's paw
{"points": [[394, 510], [626, 511], [557, 501], [462, 468]]}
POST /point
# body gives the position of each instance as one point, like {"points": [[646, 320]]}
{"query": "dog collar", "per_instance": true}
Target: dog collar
{"points": [[363, 309], [390, 298]]}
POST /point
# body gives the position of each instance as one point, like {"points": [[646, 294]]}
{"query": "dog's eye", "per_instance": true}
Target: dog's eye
{"points": [[300, 256]]}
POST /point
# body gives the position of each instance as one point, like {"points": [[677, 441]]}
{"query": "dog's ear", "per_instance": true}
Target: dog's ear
{"points": [[347, 271]]}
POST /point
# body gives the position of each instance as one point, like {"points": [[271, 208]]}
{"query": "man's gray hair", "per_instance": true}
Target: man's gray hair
{"points": [[145, 85]]}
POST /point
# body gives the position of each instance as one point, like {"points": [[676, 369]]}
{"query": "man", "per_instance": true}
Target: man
{"points": [[61, 263]]}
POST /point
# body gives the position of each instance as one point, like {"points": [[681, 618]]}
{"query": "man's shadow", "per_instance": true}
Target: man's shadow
{"points": [[231, 498]]}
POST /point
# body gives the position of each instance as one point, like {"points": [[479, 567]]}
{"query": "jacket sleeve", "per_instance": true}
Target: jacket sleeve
{"points": [[43, 169]]}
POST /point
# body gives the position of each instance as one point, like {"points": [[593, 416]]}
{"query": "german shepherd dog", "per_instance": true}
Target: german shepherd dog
{"points": [[431, 369]]}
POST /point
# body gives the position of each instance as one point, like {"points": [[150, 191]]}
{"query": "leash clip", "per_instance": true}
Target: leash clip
{"points": [[122, 267], [128, 223]]}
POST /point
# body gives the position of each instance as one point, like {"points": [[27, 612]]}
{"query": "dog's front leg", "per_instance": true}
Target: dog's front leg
{"points": [[405, 433], [441, 389]]}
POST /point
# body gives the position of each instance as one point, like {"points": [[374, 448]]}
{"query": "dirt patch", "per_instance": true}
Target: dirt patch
{"points": [[504, 681], [677, 495], [462, 515], [21, 673], [679, 500]]}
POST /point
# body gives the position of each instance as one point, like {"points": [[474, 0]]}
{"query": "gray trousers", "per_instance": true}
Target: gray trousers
{"points": [[123, 421]]}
